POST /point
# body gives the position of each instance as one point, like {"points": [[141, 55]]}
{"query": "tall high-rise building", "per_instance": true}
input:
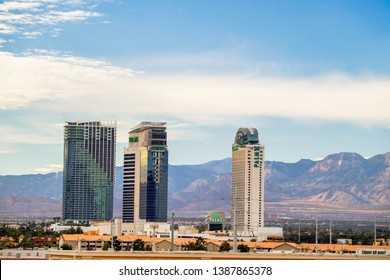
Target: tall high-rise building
{"points": [[248, 180], [145, 174], [89, 170]]}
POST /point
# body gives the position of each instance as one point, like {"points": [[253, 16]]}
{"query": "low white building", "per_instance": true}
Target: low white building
{"points": [[265, 233], [20, 254], [117, 228], [58, 227], [262, 234]]}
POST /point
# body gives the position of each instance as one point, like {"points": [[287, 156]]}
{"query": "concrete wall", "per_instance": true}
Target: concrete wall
{"points": [[23, 254]]}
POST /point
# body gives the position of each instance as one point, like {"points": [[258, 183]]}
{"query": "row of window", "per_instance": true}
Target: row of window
{"points": [[159, 142]]}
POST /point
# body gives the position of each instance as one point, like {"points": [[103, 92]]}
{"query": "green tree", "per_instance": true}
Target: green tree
{"points": [[66, 246], [139, 245], [10, 245], [69, 231], [72, 230], [27, 242], [225, 247], [198, 245], [190, 246], [10, 232], [47, 244], [117, 244], [79, 230], [243, 248], [106, 245]]}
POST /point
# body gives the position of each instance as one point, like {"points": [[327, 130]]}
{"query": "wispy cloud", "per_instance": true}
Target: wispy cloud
{"points": [[43, 75], [49, 168], [53, 79], [19, 5], [31, 132], [2, 41], [29, 16], [8, 151], [32, 35], [53, 17], [7, 29]]}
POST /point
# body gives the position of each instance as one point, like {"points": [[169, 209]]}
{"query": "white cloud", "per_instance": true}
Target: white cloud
{"points": [[76, 2], [32, 35], [31, 132], [318, 158], [54, 17], [49, 168], [7, 29], [17, 18], [46, 76], [13, 5], [2, 41], [55, 32], [8, 151], [80, 86], [50, 17], [35, 14]]}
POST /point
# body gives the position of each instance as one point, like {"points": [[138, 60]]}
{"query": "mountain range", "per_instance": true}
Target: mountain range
{"points": [[340, 185]]}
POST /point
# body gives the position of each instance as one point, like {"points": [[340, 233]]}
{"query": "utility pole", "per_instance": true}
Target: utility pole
{"points": [[235, 222], [172, 233], [299, 231], [154, 227], [112, 235], [316, 233], [330, 231], [375, 232]]}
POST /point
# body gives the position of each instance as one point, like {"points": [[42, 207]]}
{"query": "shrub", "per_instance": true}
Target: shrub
{"points": [[66, 246]]}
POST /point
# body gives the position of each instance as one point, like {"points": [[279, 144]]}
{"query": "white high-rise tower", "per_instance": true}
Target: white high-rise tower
{"points": [[248, 181]]}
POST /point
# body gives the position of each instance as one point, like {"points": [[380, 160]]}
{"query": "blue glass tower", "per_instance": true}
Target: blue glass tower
{"points": [[145, 174], [89, 170]]}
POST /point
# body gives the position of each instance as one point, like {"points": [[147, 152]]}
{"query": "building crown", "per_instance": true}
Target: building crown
{"points": [[245, 136]]}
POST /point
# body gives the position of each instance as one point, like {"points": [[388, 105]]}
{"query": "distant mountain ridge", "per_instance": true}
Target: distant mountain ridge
{"points": [[341, 182]]}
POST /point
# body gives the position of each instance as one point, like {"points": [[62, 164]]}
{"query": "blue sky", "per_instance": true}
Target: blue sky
{"points": [[312, 76]]}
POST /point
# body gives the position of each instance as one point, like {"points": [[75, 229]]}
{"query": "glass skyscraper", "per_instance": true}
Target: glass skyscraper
{"points": [[145, 174], [89, 170], [248, 180]]}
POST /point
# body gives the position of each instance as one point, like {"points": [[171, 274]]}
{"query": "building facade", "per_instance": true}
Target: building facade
{"points": [[89, 170], [248, 181], [145, 174]]}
